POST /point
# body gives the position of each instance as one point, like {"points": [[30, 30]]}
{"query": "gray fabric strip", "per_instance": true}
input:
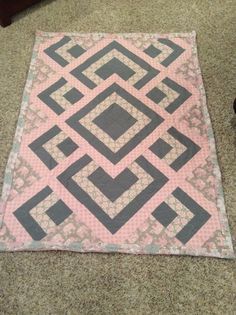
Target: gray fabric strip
{"points": [[183, 95], [26, 220], [177, 51], [45, 96], [36, 147], [192, 149], [50, 51], [201, 216]]}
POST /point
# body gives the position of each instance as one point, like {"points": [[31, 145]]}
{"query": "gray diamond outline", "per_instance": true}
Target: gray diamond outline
{"points": [[114, 157]]}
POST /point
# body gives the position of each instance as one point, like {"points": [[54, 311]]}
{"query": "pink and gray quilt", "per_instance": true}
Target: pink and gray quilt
{"points": [[114, 150]]}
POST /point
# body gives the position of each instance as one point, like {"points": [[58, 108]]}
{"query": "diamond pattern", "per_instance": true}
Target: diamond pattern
{"points": [[64, 51], [165, 215], [169, 95], [53, 146], [175, 148], [37, 217], [165, 51], [115, 143], [60, 96]]}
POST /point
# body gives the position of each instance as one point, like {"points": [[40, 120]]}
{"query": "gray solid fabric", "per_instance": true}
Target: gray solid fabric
{"points": [[115, 121], [26, 220], [191, 149], [160, 148], [67, 146], [177, 51], [36, 147], [113, 188], [59, 212], [51, 51], [76, 51], [183, 95], [201, 216], [156, 95], [73, 96], [73, 122], [152, 51], [164, 214], [115, 66], [45, 96]]}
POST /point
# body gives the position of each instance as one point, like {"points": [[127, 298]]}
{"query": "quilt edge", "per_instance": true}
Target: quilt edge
{"points": [[223, 218]]}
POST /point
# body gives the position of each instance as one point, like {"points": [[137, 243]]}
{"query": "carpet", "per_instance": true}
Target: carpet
{"points": [[60, 282], [114, 150]]}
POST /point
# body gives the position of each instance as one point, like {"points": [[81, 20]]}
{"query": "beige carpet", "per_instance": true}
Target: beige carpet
{"points": [[71, 283]]}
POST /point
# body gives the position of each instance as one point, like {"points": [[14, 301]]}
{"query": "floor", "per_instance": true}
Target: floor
{"points": [[69, 283]]}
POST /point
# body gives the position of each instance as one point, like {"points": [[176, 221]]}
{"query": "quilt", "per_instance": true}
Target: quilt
{"points": [[114, 150]]}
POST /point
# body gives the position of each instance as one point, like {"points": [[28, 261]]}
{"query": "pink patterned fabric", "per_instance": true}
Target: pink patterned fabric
{"points": [[114, 150]]}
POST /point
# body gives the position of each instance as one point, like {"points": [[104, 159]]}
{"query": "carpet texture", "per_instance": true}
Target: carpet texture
{"points": [[123, 284]]}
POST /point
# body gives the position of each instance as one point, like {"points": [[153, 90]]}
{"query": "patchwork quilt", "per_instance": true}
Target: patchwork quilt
{"points": [[114, 150]]}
